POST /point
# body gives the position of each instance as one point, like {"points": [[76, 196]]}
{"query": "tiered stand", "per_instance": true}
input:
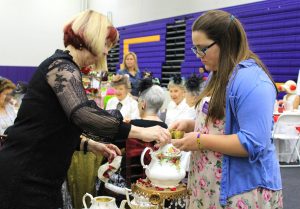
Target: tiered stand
{"points": [[157, 196]]}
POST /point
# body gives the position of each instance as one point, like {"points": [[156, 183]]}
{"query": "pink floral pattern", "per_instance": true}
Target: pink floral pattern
{"points": [[206, 172]]}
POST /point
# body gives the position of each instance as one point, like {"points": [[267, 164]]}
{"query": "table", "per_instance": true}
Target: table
{"points": [[277, 114], [286, 131]]}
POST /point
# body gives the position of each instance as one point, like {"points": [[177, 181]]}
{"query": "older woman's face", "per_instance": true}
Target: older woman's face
{"points": [[177, 94], [211, 59], [121, 92], [3, 96], [130, 61]]}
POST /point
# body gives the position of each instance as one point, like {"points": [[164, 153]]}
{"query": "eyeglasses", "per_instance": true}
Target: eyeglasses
{"points": [[201, 52]]}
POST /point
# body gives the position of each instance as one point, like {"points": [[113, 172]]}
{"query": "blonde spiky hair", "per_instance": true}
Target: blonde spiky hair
{"points": [[90, 29]]}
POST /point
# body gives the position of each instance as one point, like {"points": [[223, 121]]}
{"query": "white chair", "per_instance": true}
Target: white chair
{"points": [[285, 130]]}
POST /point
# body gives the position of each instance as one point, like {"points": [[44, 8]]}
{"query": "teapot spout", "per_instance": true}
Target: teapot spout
{"points": [[185, 160]]}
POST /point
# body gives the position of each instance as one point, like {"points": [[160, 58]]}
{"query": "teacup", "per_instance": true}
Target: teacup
{"points": [[103, 199], [176, 134]]}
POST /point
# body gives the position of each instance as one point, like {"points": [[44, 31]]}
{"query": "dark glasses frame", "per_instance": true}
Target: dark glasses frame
{"points": [[202, 51]]}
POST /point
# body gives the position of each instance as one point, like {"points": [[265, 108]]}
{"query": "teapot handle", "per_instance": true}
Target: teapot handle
{"points": [[143, 156], [123, 204], [83, 199], [128, 192]]}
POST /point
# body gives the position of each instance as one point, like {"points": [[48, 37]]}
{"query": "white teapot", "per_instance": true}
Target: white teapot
{"points": [[167, 167], [102, 202]]}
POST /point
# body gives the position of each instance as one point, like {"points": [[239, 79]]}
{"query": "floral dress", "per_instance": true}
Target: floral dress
{"points": [[206, 171]]}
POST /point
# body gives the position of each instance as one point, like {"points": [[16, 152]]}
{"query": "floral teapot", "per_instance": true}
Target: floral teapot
{"points": [[102, 202], [167, 167]]}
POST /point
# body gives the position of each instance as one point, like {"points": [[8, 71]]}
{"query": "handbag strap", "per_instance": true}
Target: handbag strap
{"points": [[2, 139]]}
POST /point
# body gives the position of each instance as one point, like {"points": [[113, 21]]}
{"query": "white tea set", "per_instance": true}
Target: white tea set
{"points": [[106, 202], [167, 168]]}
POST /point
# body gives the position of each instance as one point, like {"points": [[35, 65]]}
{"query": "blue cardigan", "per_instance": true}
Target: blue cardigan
{"points": [[250, 97]]}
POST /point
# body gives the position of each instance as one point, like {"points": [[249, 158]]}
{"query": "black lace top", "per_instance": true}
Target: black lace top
{"points": [[54, 112]]}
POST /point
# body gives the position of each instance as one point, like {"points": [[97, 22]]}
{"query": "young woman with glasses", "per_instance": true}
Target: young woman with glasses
{"points": [[233, 162]]}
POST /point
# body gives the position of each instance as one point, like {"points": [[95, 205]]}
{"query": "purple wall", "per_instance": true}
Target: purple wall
{"points": [[150, 55], [272, 27], [17, 73]]}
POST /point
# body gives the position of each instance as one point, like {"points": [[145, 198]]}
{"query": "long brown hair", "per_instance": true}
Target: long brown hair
{"points": [[229, 34]]}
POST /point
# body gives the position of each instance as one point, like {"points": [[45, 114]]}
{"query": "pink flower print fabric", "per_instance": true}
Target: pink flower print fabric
{"points": [[206, 173]]}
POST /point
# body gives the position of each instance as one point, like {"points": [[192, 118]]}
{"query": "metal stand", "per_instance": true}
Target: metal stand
{"points": [[157, 196]]}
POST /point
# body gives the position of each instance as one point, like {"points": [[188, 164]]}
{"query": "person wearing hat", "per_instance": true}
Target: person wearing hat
{"points": [[291, 99], [19, 93], [177, 108], [7, 112], [193, 89], [123, 100]]}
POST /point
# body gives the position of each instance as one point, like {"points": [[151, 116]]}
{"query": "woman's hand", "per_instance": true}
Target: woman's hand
{"points": [[158, 134], [155, 133], [187, 143], [110, 151], [186, 125]]}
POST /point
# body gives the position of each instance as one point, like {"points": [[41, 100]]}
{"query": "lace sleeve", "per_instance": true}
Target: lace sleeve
{"points": [[65, 80]]}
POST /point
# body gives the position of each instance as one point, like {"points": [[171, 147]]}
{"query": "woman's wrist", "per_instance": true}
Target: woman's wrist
{"points": [[199, 142], [91, 146], [86, 145]]}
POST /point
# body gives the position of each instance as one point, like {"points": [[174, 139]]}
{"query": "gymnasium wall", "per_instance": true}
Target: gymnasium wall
{"points": [[163, 46]]}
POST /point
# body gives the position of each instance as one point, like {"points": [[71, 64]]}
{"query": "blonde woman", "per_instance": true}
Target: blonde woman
{"points": [[54, 113], [130, 67]]}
